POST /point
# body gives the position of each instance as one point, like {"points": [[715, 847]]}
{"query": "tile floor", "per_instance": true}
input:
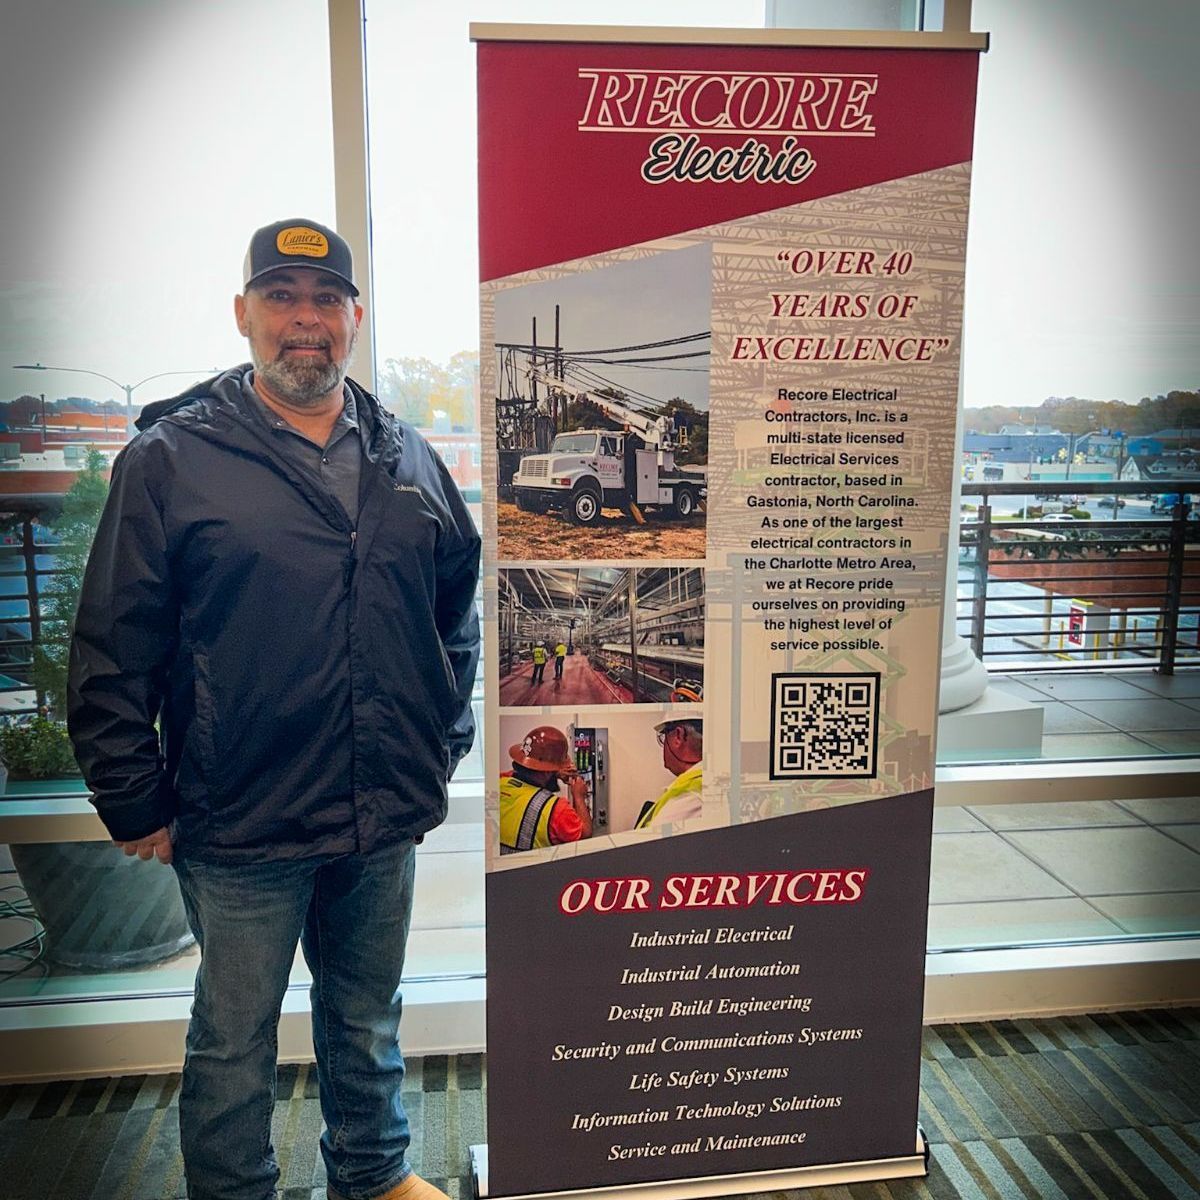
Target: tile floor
{"points": [[1002, 874], [1112, 714], [1012, 874]]}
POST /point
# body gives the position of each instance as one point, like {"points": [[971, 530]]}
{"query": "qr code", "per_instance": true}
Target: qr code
{"points": [[824, 726]]}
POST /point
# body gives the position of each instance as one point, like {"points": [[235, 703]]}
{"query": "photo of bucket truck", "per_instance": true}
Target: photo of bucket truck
{"points": [[601, 411], [632, 468]]}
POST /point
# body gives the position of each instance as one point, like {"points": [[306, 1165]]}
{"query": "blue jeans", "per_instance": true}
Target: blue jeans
{"points": [[350, 913]]}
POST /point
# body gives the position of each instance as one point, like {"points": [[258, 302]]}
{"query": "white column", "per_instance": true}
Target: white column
{"points": [[964, 678], [347, 65]]}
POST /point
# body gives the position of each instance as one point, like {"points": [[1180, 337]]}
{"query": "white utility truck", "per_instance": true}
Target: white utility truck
{"points": [[590, 469]]}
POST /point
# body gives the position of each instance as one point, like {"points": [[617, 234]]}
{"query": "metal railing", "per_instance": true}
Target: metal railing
{"points": [[1037, 589], [22, 632], [1045, 587]]}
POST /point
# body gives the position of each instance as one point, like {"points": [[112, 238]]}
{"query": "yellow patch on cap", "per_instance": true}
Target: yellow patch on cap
{"points": [[299, 239]]}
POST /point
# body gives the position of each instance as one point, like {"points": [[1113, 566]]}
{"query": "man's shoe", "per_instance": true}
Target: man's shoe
{"points": [[411, 1188]]}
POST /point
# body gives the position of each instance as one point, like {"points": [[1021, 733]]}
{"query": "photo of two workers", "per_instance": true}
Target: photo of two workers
{"points": [[564, 779]]}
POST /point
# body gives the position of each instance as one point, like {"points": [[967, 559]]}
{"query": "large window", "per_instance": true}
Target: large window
{"points": [[154, 139], [165, 133], [1070, 390]]}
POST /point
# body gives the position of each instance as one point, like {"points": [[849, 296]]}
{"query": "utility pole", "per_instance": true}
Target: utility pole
{"points": [[1185, 434], [1120, 436], [558, 364], [533, 359]]}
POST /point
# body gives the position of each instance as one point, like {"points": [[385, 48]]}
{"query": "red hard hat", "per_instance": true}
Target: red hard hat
{"points": [[543, 749]]}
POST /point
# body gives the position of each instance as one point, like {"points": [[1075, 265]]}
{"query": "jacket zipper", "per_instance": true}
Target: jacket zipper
{"points": [[351, 563], [348, 573]]}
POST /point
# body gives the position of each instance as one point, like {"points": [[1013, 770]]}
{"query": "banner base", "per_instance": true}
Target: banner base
{"points": [[905, 1167]]}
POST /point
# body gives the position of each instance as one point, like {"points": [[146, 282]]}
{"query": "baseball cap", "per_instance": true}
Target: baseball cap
{"points": [[298, 243]]}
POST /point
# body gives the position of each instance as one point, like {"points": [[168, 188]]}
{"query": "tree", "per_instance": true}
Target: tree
{"points": [[415, 388], [696, 423], [407, 387], [25, 410], [76, 529], [1075, 414], [462, 382], [583, 413]]}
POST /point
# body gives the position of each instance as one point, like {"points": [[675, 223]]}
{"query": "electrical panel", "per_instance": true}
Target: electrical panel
{"points": [[589, 746]]}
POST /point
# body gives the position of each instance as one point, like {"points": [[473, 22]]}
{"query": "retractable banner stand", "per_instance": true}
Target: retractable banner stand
{"points": [[721, 312]]}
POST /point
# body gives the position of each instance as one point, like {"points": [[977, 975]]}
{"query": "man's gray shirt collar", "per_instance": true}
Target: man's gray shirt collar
{"points": [[338, 463]]}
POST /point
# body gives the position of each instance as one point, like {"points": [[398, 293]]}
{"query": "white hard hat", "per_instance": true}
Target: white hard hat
{"points": [[682, 720]]}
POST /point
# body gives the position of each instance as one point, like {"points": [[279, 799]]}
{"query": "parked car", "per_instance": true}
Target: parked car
{"points": [[1164, 503]]}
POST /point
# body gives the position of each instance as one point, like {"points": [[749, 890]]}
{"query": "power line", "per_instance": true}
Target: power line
{"points": [[550, 350], [622, 362], [585, 372]]}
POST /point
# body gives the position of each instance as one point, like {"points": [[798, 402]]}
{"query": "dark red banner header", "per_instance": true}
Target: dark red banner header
{"points": [[585, 147]]}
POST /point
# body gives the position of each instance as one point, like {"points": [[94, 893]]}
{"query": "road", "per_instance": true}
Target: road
{"points": [[1016, 611], [1133, 510]]}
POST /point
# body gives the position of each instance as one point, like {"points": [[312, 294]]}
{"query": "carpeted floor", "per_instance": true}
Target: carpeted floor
{"points": [[1103, 1107]]}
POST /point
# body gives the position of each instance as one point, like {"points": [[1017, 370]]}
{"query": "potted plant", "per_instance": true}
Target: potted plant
{"points": [[37, 748]]}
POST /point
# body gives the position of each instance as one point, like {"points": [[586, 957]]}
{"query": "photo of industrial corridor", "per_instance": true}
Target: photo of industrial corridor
{"points": [[601, 635]]}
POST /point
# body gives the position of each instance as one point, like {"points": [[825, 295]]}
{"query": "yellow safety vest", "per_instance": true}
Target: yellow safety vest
{"points": [[690, 781], [524, 815], [539, 654], [560, 651]]}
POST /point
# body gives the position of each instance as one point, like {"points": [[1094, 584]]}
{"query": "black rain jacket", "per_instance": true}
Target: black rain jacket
{"points": [[310, 680]]}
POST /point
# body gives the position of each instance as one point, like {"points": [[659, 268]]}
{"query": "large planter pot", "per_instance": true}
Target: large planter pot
{"points": [[101, 910]]}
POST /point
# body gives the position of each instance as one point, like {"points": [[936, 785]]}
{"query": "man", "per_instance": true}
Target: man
{"points": [[560, 658], [539, 662], [270, 687], [532, 813], [682, 743]]}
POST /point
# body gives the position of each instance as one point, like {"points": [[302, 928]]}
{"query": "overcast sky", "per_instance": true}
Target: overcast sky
{"points": [[628, 304], [145, 139]]}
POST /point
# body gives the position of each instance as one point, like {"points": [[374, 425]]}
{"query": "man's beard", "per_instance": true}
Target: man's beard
{"points": [[302, 381]]}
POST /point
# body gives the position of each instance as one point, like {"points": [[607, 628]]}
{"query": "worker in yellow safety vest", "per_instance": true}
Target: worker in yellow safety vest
{"points": [[539, 662], [532, 813], [560, 657], [682, 743]]}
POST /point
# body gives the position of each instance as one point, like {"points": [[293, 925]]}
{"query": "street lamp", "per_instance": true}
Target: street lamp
{"points": [[127, 388]]}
